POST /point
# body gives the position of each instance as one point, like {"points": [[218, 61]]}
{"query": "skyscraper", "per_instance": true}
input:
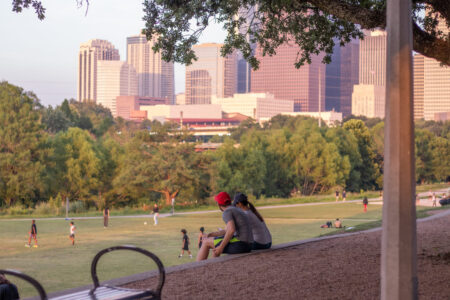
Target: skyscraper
{"points": [[115, 78], [155, 76], [210, 75], [244, 69], [90, 53], [368, 98], [418, 88], [277, 75]]}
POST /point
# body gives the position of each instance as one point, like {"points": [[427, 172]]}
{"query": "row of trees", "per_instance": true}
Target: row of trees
{"points": [[79, 151]]}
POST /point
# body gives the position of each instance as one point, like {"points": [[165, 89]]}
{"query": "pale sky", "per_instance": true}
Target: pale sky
{"points": [[41, 56]]}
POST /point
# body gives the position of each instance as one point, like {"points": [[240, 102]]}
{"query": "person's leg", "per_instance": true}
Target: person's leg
{"points": [[35, 240], [204, 250], [29, 239]]}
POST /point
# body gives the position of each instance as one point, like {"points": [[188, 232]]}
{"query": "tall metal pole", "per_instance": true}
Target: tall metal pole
{"points": [[398, 250]]}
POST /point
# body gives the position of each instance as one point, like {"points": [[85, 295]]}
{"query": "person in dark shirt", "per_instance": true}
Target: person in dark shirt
{"points": [[105, 217], [185, 244], [32, 235], [365, 202], [8, 290]]}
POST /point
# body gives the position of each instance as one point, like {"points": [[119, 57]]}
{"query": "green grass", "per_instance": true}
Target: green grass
{"points": [[58, 265]]}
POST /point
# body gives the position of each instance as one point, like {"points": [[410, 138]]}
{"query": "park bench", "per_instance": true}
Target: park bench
{"points": [[102, 292]]}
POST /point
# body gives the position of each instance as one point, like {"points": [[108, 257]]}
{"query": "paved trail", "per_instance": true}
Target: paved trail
{"points": [[164, 215]]}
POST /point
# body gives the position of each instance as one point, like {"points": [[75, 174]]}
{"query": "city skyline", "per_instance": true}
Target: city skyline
{"points": [[56, 41]]}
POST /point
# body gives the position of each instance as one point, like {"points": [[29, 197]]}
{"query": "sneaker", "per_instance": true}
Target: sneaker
{"points": [[27, 245], [180, 256], [35, 246], [190, 256]]}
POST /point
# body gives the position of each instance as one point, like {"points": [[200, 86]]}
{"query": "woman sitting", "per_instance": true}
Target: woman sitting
{"points": [[262, 238]]}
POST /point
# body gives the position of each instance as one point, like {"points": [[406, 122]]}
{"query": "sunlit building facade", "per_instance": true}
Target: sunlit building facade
{"points": [[210, 75], [277, 75], [89, 55], [155, 76], [368, 97], [115, 78], [418, 75]]}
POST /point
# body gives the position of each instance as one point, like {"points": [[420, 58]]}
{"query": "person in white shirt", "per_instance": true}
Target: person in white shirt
{"points": [[72, 233]]}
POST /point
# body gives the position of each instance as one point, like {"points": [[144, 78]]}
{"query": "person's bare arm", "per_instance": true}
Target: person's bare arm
{"points": [[231, 229], [217, 233]]}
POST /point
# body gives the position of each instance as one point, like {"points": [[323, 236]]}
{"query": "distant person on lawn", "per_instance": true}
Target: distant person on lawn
{"points": [[185, 245], [337, 195], [236, 238], [344, 195], [8, 290], [338, 223], [155, 214], [365, 202], [201, 236], [105, 216], [72, 233], [32, 235], [262, 239]]}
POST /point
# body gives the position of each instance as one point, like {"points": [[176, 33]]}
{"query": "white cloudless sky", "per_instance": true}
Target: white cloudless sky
{"points": [[41, 56]]}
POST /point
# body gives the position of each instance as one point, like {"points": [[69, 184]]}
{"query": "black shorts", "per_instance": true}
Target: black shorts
{"points": [[234, 246], [186, 247], [72, 235]]}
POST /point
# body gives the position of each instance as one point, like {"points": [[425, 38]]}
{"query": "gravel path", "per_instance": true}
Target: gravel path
{"points": [[341, 268]]}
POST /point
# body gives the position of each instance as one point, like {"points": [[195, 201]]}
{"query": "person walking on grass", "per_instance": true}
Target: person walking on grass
{"points": [[72, 233], [262, 239], [236, 238], [337, 195], [155, 214], [32, 234], [344, 195], [105, 217], [433, 198], [185, 244], [365, 202], [201, 236]]}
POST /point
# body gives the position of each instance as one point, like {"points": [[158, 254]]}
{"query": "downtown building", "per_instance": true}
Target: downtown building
{"points": [[155, 76], [114, 79], [210, 75], [369, 96], [277, 75], [431, 85], [89, 55], [340, 77]]}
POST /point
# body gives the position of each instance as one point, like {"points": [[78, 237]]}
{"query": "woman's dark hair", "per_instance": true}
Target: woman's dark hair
{"points": [[3, 279], [183, 231], [202, 229], [242, 198]]}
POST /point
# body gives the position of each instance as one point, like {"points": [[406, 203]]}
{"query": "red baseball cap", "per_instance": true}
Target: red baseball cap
{"points": [[223, 199]]}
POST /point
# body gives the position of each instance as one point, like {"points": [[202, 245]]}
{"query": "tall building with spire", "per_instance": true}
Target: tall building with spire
{"points": [[90, 53], [210, 75], [277, 75], [155, 76]]}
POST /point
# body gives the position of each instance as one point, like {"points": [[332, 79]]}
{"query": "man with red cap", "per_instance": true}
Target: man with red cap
{"points": [[237, 236]]}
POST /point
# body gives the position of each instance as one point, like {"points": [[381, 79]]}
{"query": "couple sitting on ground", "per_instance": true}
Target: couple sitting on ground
{"points": [[245, 228]]}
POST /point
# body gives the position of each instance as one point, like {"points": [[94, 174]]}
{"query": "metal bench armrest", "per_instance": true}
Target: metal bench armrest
{"points": [[29, 279], [162, 273]]}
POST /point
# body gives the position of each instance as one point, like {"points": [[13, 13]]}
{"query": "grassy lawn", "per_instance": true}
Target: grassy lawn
{"points": [[58, 265]]}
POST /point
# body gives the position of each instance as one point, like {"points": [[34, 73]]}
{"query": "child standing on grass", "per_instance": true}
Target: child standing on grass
{"points": [[32, 235], [72, 233], [185, 244]]}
